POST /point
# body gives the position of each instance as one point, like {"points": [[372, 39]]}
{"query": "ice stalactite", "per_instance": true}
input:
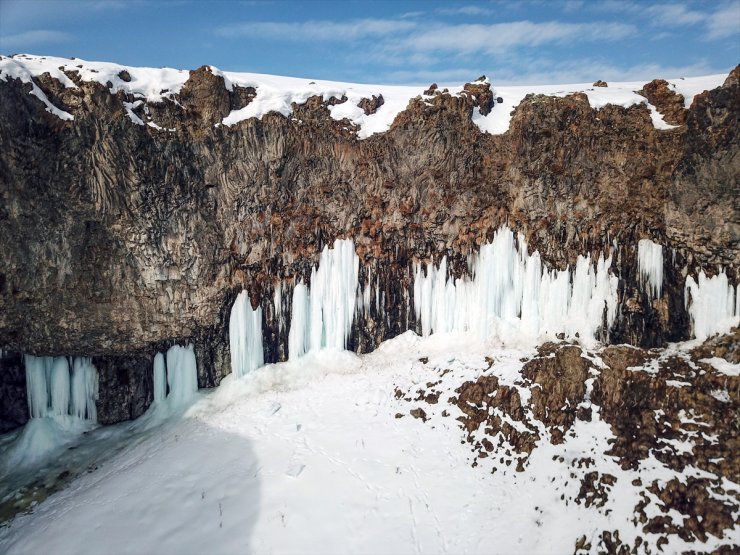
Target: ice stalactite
{"points": [[510, 292], [60, 387], [84, 389], [712, 303], [298, 335], [182, 374], [245, 336], [650, 266], [322, 314], [278, 304], [160, 378], [52, 391]]}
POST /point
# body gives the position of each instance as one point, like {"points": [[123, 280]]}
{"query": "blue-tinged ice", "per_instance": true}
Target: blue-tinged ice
{"points": [[245, 336]]}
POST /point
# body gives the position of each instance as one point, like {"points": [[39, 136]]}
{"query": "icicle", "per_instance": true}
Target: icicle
{"points": [[84, 389], [245, 336], [509, 287], [160, 378], [53, 392], [298, 338], [650, 266], [322, 316], [36, 386], [278, 303], [712, 305], [182, 373], [60, 387]]}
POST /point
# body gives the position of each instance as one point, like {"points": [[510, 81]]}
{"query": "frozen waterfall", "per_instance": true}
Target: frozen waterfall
{"points": [[175, 375], [53, 391], [322, 314], [713, 304], [510, 292], [650, 266], [160, 378], [245, 335], [182, 374]]}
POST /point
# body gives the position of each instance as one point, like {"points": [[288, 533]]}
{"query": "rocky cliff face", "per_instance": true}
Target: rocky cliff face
{"points": [[120, 239]]}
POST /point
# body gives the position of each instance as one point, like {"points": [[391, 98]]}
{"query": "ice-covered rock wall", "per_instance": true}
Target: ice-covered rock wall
{"points": [[511, 294], [650, 266], [53, 392], [713, 304]]}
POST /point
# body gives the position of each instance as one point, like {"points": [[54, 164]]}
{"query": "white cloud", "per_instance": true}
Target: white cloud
{"points": [[28, 39], [725, 22], [328, 31], [673, 15], [465, 10], [502, 37]]}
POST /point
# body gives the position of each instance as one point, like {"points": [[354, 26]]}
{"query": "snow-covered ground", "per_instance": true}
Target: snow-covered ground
{"points": [[276, 93], [310, 456]]}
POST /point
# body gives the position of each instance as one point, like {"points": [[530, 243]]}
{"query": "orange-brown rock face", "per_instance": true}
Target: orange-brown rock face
{"points": [[119, 238]]}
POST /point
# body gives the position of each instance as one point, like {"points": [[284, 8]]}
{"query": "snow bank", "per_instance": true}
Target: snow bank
{"points": [[650, 266], [510, 294], [278, 94]]}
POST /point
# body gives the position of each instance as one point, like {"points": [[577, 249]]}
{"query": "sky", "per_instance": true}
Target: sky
{"points": [[390, 42]]}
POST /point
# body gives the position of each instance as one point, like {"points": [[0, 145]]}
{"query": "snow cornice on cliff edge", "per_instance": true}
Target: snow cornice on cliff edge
{"points": [[370, 109]]}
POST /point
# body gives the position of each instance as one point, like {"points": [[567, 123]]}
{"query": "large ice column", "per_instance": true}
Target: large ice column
{"points": [[650, 266], [52, 391], [298, 335], [160, 378], [84, 389], [322, 315], [509, 288], [245, 336], [182, 374], [37, 389], [712, 304]]}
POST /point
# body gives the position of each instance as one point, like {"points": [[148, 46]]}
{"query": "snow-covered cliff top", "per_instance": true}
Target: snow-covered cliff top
{"points": [[276, 94]]}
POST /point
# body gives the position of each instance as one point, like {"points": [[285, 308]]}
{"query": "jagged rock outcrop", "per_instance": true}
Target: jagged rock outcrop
{"points": [[119, 238]]}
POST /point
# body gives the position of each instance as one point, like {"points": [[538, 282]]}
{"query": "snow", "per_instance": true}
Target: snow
{"points": [[723, 366], [307, 456], [278, 94], [650, 266], [712, 304], [511, 296], [245, 336]]}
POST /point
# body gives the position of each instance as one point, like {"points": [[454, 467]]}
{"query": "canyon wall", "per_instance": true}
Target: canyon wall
{"points": [[120, 239]]}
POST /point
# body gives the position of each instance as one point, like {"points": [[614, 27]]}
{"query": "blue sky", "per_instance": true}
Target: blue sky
{"points": [[382, 41]]}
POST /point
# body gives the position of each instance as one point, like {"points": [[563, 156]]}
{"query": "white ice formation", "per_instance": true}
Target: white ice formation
{"points": [[650, 267], [53, 392], [245, 336], [322, 314], [175, 375], [160, 378], [713, 304], [510, 293]]}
